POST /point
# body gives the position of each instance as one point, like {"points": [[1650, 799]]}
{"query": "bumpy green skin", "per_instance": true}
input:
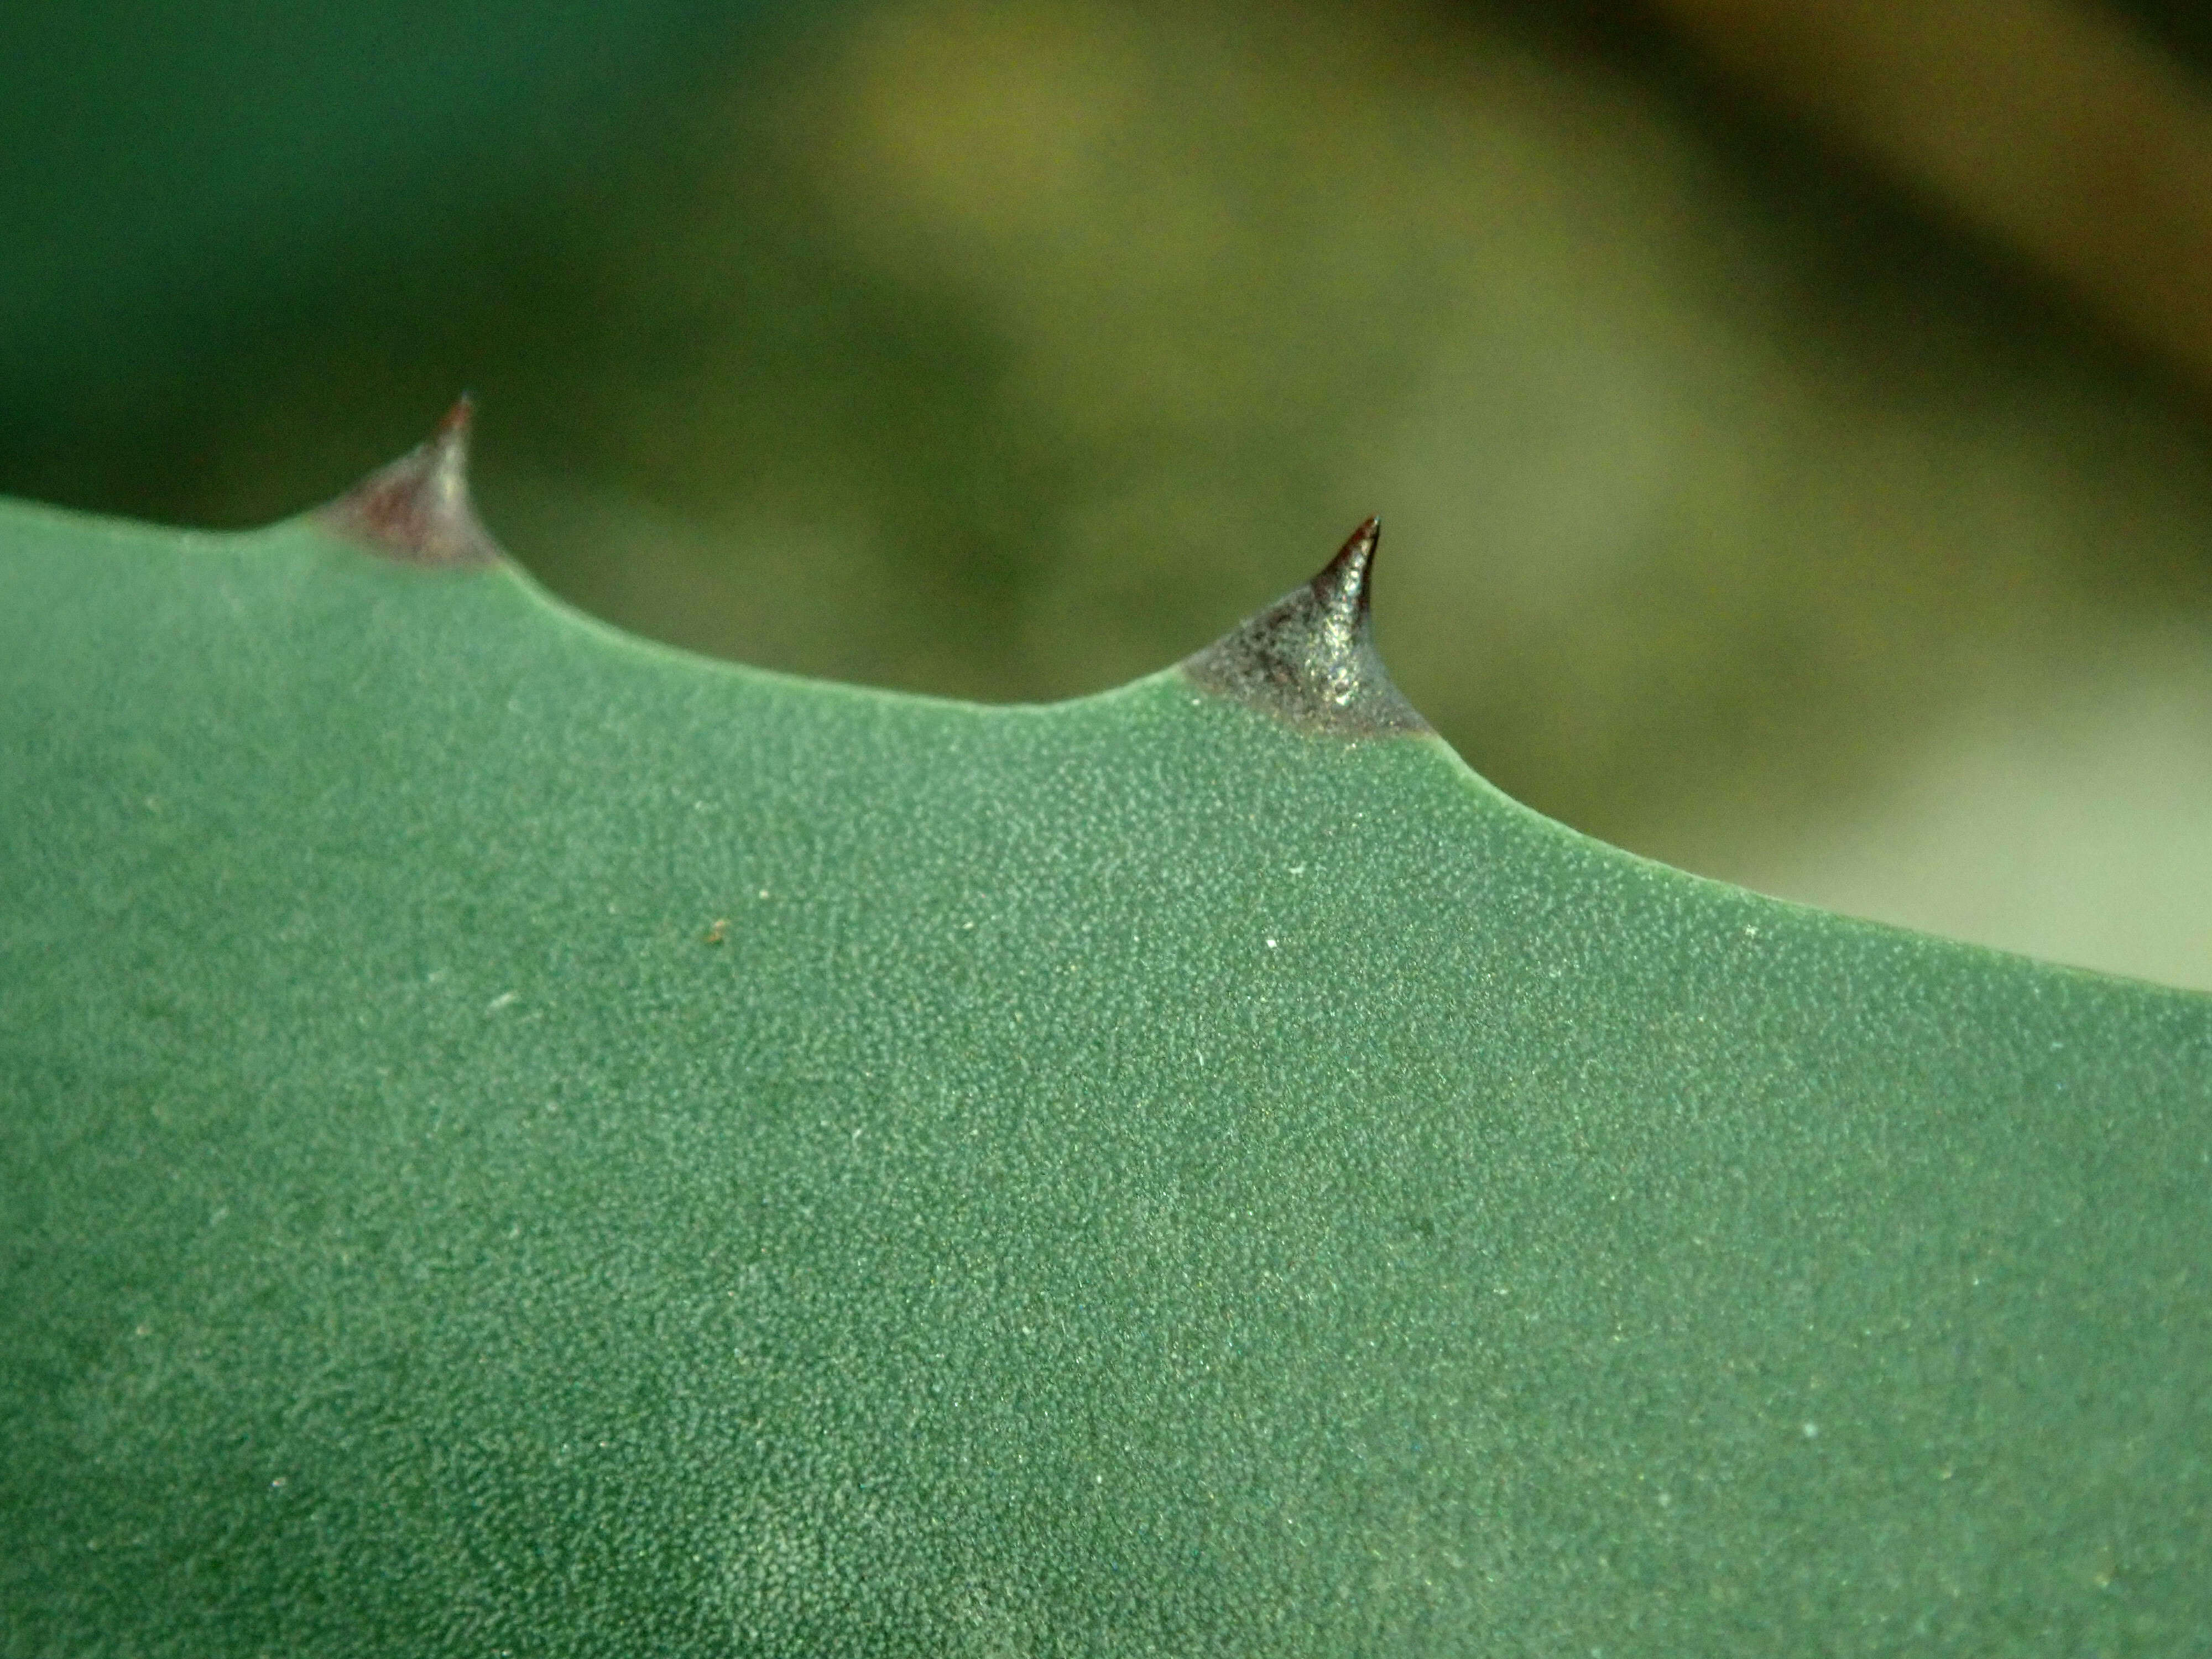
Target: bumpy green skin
{"points": [[1131, 1177]]}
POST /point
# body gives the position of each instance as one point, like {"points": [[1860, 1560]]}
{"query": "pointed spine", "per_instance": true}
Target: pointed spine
{"points": [[417, 510], [1309, 658]]}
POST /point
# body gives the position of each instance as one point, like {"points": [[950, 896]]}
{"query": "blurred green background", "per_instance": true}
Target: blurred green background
{"points": [[1743, 507]]}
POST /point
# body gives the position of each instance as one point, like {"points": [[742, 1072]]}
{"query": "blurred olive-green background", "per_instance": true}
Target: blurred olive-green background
{"points": [[1744, 505]]}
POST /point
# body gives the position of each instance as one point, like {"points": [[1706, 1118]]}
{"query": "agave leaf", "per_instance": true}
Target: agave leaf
{"points": [[519, 1138]]}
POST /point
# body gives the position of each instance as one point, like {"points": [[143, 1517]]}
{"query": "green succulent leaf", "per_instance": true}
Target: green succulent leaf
{"points": [[518, 1140]]}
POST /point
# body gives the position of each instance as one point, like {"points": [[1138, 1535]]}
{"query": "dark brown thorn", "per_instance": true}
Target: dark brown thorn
{"points": [[1309, 658], [418, 509], [1345, 582]]}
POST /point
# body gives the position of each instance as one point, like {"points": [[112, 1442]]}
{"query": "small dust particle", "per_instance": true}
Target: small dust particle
{"points": [[1812, 1431], [504, 999], [718, 933]]}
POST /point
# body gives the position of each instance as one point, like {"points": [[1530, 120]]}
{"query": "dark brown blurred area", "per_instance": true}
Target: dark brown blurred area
{"points": [[2061, 130], [1789, 421]]}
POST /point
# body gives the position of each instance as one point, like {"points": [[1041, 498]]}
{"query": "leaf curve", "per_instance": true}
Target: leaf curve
{"points": [[518, 1137]]}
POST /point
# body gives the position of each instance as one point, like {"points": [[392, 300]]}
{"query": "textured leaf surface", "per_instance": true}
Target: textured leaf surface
{"points": [[519, 1140]]}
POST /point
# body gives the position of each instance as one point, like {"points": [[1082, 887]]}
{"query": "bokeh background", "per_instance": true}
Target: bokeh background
{"points": [[1792, 422]]}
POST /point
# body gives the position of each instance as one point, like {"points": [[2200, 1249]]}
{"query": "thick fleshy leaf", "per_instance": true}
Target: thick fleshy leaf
{"points": [[518, 1140]]}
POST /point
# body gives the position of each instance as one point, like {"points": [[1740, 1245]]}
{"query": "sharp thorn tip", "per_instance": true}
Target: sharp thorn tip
{"points": [[418, 509], [1310, 657], [457, 419], [1345, 579]]}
